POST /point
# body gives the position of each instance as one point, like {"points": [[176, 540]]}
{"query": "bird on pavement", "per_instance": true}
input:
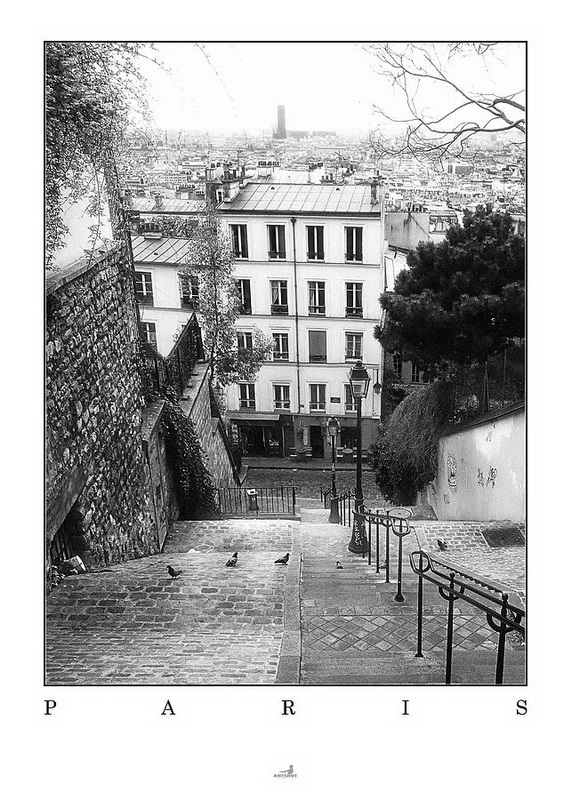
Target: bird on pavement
{"points": [[282, 560], [232, 561], [174, 573], [338, 565], [441, 544]]}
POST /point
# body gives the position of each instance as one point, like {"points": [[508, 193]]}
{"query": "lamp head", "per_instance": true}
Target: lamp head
{"points": [[333, 426], [359, 379]]}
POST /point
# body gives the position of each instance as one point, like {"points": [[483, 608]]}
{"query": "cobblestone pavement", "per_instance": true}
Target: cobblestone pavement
{"points": [[309, 481], [353, 631], [132, 624]]}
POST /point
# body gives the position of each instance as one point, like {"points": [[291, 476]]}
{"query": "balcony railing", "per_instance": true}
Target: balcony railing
{"points": [[315, 256], [277, 501], [317, 406], [283, 356], [354, 311], [176, 369], [316, 309], [273, 254], [278, 310]]}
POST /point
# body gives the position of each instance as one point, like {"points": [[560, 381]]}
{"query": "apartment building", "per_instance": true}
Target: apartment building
{"points": [[308, 261], [309, 265]]}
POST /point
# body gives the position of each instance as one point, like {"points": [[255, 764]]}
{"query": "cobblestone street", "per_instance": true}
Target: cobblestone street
{"points": [[263, 623]]}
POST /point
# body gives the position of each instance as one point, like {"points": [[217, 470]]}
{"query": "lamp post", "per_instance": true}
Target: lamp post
{"points": [[359, 380], [333, 428]]}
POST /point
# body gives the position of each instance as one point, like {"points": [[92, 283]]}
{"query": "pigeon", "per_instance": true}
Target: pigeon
{"points": [[174, 573], [441, 544], [338, 565], [282, 560], [232, 561]]}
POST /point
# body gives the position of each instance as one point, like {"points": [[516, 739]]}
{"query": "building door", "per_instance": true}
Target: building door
{"points": [[316, 440]]}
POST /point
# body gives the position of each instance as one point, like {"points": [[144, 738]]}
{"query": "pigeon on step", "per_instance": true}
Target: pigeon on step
{"points": [[441, 544], [174, 573], [338, 565], [232, 561], [282, 560]]}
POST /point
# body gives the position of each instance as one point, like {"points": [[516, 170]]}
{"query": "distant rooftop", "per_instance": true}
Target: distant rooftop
{"points": [[147, 205], [168, 250], [295, 198]]}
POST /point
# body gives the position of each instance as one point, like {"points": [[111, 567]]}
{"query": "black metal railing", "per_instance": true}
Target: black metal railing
{"points": [[455, 582], [395, 521], [176, 369], [240, 502]]}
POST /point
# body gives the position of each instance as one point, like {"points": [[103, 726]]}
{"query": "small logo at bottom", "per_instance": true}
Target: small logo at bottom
{"points": [[286, 773]]}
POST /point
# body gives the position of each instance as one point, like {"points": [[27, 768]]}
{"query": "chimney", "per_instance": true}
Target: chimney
{"points": [[374, 190], [158, 200]]}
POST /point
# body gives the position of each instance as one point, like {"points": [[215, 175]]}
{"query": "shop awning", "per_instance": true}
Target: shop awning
{"points": [[251, 416]]}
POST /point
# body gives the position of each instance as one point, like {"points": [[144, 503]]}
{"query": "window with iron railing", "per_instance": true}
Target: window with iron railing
{"points": [[281, 396], [144, 288], [317, 397], [353, 346], [189, 291], [239, 236], [245, 341], [354, 244], [316, 297], [397, 365], [278, 294], [245, 292], [317, 346], [281, 347], [350, 402], [354, 293], [247, 395], [276, 241], [315, 251], [149, 331]]}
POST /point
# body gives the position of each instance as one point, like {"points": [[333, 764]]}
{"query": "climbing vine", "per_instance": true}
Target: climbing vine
{"points": [[195, 491]]}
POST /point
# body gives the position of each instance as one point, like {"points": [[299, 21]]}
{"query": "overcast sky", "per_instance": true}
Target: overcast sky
{"points": [[237, 87]]}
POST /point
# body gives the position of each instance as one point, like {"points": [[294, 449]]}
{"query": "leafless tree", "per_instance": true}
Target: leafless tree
{"points": [[444, 115]]}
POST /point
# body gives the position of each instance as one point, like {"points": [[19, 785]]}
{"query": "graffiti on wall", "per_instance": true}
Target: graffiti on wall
{"points": [[481, 479], [492, 475], [451, 466]]}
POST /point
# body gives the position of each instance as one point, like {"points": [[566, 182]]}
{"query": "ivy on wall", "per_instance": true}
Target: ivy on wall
{"points": [[195, 491]]}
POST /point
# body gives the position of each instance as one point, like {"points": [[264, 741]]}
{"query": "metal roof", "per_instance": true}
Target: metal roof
{"points": [[160, 251], [146, 205], [288, 198]]}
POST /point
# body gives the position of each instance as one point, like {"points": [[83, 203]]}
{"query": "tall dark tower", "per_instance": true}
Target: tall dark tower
{"points": [[281, 132]]}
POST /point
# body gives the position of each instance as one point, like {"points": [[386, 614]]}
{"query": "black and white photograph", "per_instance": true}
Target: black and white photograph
{"points": [[285, 363]]}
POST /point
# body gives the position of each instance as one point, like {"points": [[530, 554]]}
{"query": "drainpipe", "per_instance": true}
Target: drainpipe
{"points": [[293, 221]]}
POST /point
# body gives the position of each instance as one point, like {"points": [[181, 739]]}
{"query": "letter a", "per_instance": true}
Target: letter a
{"points": [[169, 708]]}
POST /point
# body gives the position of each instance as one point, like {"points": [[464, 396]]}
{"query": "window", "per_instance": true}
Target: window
{"points": [[350, 402], [244, 340], [189, 291], [315, 243], [416, 374], [149, 331], [397, 365], [239, 235], [245, 293], [247, 395], [279, 297], [354, 243], [317, 346], [317, 397], [354, 307], [353, 346], [316, 297], [281, 395], [144, 288], [276, 241], [281, 347]]}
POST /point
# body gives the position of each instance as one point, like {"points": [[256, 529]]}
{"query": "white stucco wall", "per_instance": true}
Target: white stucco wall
{"points": [[481, 471]]}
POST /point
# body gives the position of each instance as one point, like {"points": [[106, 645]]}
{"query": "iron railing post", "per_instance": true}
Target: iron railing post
{"points": [[419, 653], [450, 631]]}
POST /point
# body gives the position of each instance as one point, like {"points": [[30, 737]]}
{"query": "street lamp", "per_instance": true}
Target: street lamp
{"points": [[359, 380], [333, 429]]}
